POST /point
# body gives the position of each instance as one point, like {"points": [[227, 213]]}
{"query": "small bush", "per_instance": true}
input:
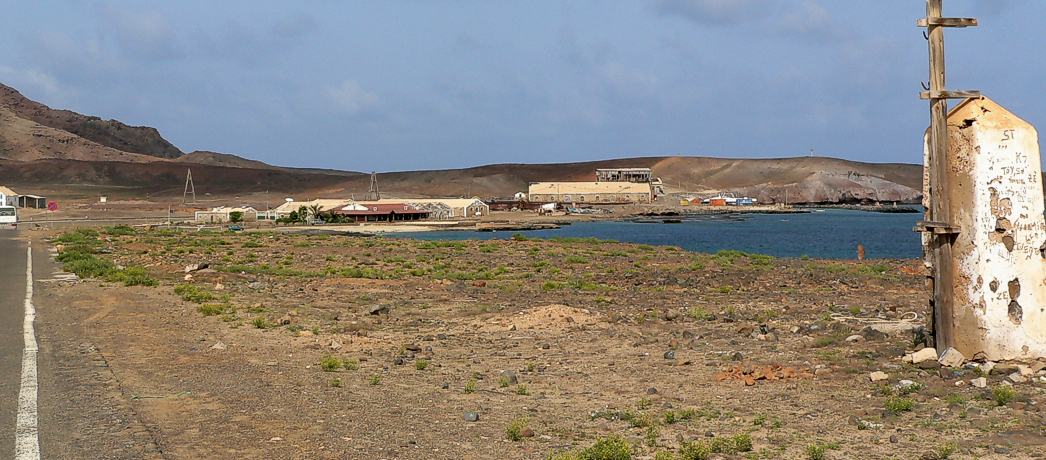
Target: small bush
{"points": [[336, 382], [945, 451], [521, 390], [351, 364], [816, 451], [513, 430], [261, 323], [421, 364], [375, 379], [131, 277], [470, 387], [193, 293], [575, 260], [610, 448], [897, 404], [1004, 394], [211, 309], [330, 363]]}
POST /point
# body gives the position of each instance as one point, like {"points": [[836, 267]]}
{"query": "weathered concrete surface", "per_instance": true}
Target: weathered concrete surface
{"points": [[1000, 254]]}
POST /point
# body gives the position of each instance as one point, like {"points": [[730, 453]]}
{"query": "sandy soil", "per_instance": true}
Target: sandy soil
{"points": [[602, 338]]}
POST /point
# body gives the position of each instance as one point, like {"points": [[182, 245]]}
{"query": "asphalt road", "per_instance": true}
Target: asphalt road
{"points": [[12, 303]]}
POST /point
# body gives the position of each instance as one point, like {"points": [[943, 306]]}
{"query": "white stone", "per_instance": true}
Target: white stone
{"points": [[925, 354], [218, 346], [996, 200], [987, 367], [854, 338], [979, 382], [959, 383], [878, 376], [951, 358], [1016, 377], [1024, 370], [335, 345]]}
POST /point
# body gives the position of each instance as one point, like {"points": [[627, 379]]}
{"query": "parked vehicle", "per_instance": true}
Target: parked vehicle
{"points": [[8, 216]]}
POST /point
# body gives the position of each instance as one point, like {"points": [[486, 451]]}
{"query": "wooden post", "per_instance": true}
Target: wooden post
{"points": [[938, 214]]}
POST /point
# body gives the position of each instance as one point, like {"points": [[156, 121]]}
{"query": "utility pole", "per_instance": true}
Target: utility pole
{"points": [[938, 223]]}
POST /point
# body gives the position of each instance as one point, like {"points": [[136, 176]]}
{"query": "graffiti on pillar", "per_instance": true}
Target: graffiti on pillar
{"points": [[996, 195]]}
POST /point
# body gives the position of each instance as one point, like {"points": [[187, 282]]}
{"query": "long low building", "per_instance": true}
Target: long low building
{"points": [[589, 192], [225, 214], [451, 208]]}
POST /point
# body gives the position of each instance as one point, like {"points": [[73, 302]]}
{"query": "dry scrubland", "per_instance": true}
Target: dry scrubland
{"points": [[343, 347]]}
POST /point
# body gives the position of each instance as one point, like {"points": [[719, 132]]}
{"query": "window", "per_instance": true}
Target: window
{"points": [[581, 198]]}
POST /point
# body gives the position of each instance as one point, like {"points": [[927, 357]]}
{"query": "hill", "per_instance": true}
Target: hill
{"points": [[44, 146], [108, 133]]}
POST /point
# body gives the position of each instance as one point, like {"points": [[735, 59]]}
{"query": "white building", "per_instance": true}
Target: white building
{"points": [[224, 214], [8, 197], [590, 192], [451, 208]]}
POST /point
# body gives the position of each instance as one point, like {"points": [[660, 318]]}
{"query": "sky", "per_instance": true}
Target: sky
{"points": [[394, 85]]}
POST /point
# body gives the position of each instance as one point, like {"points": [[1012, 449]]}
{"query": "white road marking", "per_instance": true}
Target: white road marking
{"points": [[27, 426]]}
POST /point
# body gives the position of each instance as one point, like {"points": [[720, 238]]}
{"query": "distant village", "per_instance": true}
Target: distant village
{"points": [[617, 186], [622, 186]]}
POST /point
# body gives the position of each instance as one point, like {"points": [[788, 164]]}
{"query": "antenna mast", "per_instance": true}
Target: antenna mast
{"points": [[189, 187], [373, 194]]}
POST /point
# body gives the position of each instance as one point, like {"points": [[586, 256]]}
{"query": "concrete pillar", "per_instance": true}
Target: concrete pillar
{"points": [[996, 197]]}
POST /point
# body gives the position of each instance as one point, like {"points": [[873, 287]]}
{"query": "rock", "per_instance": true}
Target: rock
{"points": [[878, 376], [894, 439], [737, 356], [979, 382], [378, 310], [412, 347], [873, 335], [949, 374], [218, 346], [651, 391], [951, 358], [670, 354], [257, 286], [683, 362], [768, 337], [987, 367], [441, 336], [671, 315], [690, 335], [187, 278], [335, 345], [510, 377], [1016, 377], [1025, 370], [822, 372], [1004, 368], [526, 433], [924, 355], [855, 338], [929, 365], [546, 346], [673, 344], [191, 268], [398, 361], [1038, 366], [471, 417]]}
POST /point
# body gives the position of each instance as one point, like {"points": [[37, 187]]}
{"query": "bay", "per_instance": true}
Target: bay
{"points": [[827, 234]]}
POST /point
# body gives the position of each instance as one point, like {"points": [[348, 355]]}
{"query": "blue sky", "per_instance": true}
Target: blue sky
{"points": [[430, 84]]}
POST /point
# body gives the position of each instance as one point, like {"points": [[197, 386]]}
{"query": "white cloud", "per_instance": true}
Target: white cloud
{"points": [[808, 19], [141, 34], [351, 98], [716, 12], [28, 79]]}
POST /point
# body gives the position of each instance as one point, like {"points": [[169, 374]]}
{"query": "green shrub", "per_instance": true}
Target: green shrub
{"points": [[1004, 394], [610, 448], [421, 364], [470, 387], [351, 364], [193, 293], [211, 309], [131, 277], [575, 260], [261, 323], [816, 451], [513, 430], [88, 267], [897, 404], [330, 363]]}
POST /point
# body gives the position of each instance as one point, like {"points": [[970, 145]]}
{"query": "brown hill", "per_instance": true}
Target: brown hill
{"points": [[109, 133], [40, 145]]}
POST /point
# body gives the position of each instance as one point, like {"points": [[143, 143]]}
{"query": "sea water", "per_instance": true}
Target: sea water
{"points": [[830, 234]]}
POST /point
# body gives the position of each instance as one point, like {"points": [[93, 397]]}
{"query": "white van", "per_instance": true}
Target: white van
{"points": [[8, 217]]}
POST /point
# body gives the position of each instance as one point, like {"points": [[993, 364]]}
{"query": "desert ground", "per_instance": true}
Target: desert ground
{"points": [[258, 345]]}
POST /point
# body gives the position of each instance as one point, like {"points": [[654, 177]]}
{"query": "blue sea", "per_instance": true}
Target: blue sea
{"points": [[829, 234]]}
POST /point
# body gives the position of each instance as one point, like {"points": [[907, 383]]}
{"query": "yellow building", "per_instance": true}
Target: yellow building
{"points": [[589, 192]]}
